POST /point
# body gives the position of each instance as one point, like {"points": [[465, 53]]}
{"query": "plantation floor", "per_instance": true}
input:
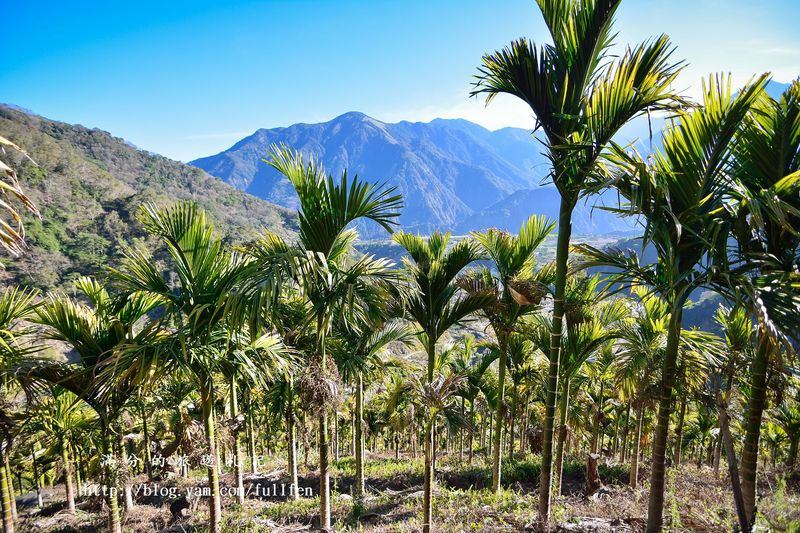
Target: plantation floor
{"points": [[696, 501]]}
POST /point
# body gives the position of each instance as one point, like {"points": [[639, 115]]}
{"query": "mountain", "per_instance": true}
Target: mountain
{"points": [[88, 186], [454, 174], [775, 88], [510, 212], [447, 170]]}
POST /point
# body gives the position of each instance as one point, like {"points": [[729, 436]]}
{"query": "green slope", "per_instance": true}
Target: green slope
{"points": [[88, 186]]}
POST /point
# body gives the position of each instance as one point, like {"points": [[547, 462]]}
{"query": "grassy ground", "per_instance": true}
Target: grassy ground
{"points": [[696, 501]]}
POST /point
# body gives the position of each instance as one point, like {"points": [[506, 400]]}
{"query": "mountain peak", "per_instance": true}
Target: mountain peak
{"points": [[356, 117], [776, 88], [351, 115], [448, 169]]}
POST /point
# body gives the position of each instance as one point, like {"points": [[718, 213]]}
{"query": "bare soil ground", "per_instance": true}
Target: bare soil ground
{"points": [[696, 500]]}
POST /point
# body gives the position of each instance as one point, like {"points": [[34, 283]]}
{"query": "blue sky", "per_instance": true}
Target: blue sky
{"points": [[187, 79]]}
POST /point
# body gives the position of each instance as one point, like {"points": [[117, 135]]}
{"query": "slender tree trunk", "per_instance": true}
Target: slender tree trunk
{"points": [[5, 494], [305, 440], [562, 256], [625, 431], [655, 508], [414, 439], [596, 422], [436, 447], [251, 440], [324, 444], [68, 475], [238, 474], [123, 455], [676, 458], [37, 478], [524, 430], [291, 446], [615, 443], [637, 438], [79, 472], [78, 480], [602, 440], [353, 433], [461, 432], [111, 488], [427, 504], [491, 429], [755, 412], [11, 489], [717, 453], [700, 450], [359, 427], [336, 436], [794, 440], [484, 429], [500, 413], [215, 503], [733, 468], [324, 477], [722, 413], [558, 467], [430, 450], [148, 460], [712, 444], [471, 430], [513, 424]]}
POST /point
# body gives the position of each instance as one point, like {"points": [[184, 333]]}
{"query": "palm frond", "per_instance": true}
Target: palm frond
{"points": [[328, 205], [12, 233]]}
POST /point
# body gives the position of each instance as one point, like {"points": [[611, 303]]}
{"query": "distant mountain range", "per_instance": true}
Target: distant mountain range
{"points": [[453, 174], [447, 170]]}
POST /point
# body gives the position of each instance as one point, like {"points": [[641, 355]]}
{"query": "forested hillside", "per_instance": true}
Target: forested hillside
{"points": [[88, 185]]}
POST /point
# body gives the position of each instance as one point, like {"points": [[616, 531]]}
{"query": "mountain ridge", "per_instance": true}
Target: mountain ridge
{"points": [[88, 185], [447, 169]]}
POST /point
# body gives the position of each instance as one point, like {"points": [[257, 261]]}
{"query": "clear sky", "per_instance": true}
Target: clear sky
{"points": [[187, 79]]}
